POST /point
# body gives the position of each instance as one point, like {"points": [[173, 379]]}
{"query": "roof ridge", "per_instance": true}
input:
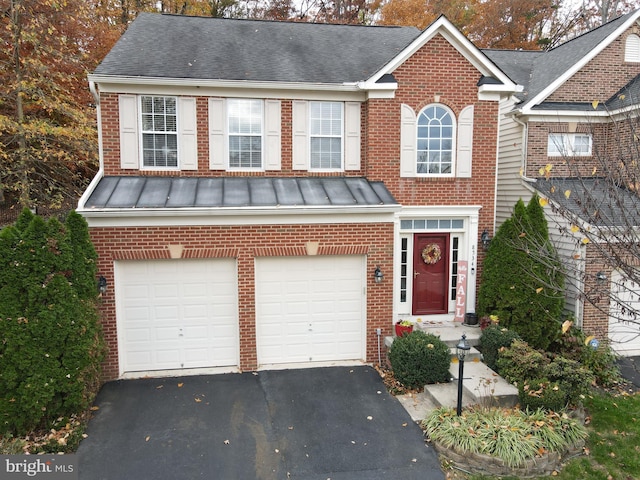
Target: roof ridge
{"points": [[270, 21]]}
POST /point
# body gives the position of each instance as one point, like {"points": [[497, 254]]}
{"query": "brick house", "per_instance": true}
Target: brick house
{"points": [[274, 194], [576, 101]]}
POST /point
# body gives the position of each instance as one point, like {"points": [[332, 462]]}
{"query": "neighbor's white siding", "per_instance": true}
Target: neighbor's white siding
{"points": [[511, 151]]}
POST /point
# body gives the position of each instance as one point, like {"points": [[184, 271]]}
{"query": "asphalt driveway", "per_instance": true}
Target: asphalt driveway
{"points": [[335, 423]]}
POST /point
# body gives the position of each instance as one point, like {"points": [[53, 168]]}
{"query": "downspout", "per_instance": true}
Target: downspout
{"points": [[525, 138], [100, 173]]}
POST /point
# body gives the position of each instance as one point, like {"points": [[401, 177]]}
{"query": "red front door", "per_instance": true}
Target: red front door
{"points": [[430, 273]]}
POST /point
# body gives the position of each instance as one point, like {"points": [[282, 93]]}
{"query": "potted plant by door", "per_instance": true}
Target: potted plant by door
{"points": [[403, 327]]}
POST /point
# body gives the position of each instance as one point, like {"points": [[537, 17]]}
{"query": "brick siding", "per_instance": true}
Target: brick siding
{"points": [[246, 243]]}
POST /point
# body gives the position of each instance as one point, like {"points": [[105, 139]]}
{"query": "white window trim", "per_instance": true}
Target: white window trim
{"points": [[219, 140], [342, 139], [567, 147], [454, 152], [143, 132], [261, 168], [351, 136]]}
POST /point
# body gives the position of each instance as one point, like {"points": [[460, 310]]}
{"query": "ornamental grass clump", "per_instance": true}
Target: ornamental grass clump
{"points": [[419, 359], [514, 436]]}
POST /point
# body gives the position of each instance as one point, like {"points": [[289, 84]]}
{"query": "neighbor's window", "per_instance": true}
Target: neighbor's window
{"points": [[569, 144], [159, 131], [245, 133], [632, 49], [435, 141], [325, 134]]}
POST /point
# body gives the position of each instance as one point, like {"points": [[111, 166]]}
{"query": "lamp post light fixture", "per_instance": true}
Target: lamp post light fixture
{"points": [[601, 277], [462, 348], [102, 285], [485, 239], [378, 275]]}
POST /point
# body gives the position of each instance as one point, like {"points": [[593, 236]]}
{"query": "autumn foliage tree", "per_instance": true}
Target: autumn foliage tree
{"points": [[48, 144], [421, 13]]}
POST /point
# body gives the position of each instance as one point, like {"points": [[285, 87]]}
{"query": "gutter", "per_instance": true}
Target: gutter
{"points": [[100, 173], [213, 83]]}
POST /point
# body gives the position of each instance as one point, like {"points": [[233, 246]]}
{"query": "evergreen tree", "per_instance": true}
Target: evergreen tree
{"points": [[525, 294], [51, 345]]}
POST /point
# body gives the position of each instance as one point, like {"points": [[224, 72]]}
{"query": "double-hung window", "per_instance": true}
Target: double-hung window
{"points": [[159, 131], [569, 144], [245, 117], [325, 135], [435, 141]]}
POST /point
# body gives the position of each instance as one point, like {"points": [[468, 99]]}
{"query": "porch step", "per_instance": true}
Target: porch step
{"points": [[480, 386], [446, 395], [473, 355], [485, 386], [449, 332]]}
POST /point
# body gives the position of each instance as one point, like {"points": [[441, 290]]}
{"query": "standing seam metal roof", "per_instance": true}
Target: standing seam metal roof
{"points": [[234, 192]]}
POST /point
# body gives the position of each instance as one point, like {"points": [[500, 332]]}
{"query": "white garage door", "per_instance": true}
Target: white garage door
{"points": [[176, 314], [310, 309], [624, 325]]}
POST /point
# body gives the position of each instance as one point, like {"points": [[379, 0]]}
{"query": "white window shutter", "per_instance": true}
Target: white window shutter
{"points": [[408, 141], [187, 138], [465, 142], [217, 144], [128, 113], [300, 147], [273, 141], [352, 136]]}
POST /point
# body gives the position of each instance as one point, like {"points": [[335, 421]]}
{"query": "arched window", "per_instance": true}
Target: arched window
{"points": [[435, 148], [632, 48]]}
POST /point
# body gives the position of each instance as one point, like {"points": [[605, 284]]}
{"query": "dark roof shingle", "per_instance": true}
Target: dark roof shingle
{"points": [[597, 201], [173, 46]]}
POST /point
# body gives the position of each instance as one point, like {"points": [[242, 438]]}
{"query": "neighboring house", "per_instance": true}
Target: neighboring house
{"points": [[276, 194], [573, 96]]}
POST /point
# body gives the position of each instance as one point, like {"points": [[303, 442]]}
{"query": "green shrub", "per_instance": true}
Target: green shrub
{"points": [[419, 359], [522, 280], [600, 361], [51, 345], [540, 393], [492, 339], [519, 362], [573, 379]]}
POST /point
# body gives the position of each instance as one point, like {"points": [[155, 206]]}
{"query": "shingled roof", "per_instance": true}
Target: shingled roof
{"points": [[597, 201], [183, 47], [537, 70]]}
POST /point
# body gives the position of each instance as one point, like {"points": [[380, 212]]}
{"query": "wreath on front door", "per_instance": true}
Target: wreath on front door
{"points": [[431, 254]]}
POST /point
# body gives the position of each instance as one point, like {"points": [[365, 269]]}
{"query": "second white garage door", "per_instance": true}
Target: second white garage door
{"points": [[176, 314], [310, 309]]}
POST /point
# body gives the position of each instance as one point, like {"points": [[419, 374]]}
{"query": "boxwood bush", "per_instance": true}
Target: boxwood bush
{"points": [[541, 393], [492, 339], [419, 359], [50, 340]]}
